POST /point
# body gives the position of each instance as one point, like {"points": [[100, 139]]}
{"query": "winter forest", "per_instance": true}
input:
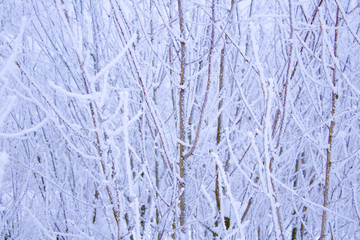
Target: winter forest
{"points": [[179, 119]]}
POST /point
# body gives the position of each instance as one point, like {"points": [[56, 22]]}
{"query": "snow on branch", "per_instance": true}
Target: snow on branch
{"points": [[25, 131]]}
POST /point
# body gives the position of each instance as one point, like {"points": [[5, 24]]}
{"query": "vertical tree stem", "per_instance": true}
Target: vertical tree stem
{"points": [[219, 129], [331, 135], [182, 120]]}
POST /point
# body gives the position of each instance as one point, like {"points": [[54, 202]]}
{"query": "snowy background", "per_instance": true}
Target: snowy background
{"points": [[187, 119]]}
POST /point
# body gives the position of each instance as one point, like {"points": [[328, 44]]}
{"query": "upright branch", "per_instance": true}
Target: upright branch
{"points": [[265, 162], [132, 61], [293, 71], [268, 161], [99, 150], [135, 204], [219, 129], [331, 135], [182, 119], [208, 82], [286, 84]]}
